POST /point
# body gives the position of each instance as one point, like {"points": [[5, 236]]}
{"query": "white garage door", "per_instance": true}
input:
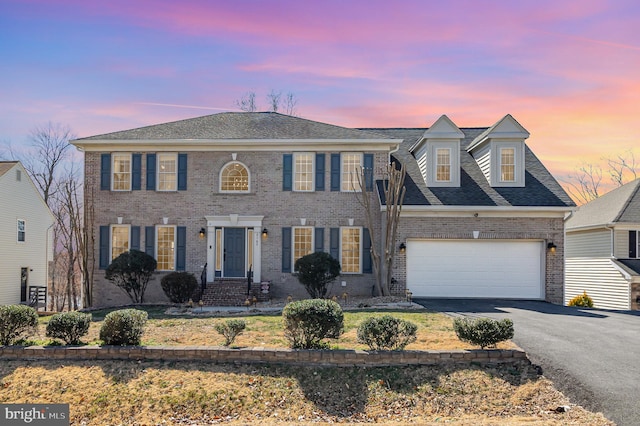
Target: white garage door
{"points": [[491, 269]]}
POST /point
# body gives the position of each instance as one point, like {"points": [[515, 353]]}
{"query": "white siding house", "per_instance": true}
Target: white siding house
{"points": [[25, 234], [602, 250]]}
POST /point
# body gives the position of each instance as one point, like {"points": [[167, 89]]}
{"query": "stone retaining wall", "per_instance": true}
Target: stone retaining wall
{"points": [[261, 355]]}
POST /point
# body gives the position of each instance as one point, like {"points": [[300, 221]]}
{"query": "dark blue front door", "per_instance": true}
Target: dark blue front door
{"points": [[234, 241]]}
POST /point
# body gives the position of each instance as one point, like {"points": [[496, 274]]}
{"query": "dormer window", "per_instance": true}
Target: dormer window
{"points": [[507, 164], [443, 165]]}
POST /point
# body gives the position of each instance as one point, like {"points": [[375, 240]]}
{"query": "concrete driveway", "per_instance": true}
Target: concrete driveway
{"points": [[592, 356]]}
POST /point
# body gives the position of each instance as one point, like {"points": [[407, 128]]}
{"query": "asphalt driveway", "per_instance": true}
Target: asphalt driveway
{"points": [[592, 356]]}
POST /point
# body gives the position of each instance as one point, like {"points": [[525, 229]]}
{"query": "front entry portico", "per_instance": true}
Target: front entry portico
{"points": [[233, 246]]}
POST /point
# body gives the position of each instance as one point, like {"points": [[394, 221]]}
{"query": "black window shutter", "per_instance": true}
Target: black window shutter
{"points": [[633, 244], [335, 172], [181, 248], [104, 256], [367, 266], [286, 249], [105, 172], [151, 172], [319, 239], [319, 172], [150, 240], [334, 243], [287, 172], [182, 172], [368, 171], [135, 238], [136, 171]]}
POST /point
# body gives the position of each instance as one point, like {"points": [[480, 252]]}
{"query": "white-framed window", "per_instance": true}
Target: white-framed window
{"points": [[351, 249], [167, 171], [120, 240], [121, 172], [166, 247], [352, 163], [507, 164], [302, 242], [303, 171], [234, 177], [22, 228], [443, 165]]}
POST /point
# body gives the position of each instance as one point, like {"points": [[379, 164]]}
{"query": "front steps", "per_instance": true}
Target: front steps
{"points": [[232, 292]]}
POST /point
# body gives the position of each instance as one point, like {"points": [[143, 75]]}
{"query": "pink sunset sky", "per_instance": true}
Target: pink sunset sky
{"points": [[568, 71]]}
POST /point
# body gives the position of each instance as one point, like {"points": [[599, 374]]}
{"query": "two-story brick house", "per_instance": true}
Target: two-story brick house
{"points": [[255, 191]]}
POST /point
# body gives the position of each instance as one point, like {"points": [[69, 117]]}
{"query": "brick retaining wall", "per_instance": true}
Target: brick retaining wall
{"points": [[261, 355]]}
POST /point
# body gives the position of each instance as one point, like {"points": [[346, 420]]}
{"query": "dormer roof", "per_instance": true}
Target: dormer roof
{"points": [[506, 128], [442, 129]]}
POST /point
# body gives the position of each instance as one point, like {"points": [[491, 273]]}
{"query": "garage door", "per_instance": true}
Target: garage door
{"points": [[498, 269]]}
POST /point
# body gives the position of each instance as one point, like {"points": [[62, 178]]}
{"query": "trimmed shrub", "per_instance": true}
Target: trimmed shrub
{"points": [[316, 271], [69, 326], [179, 286], [230, 329], [16, 321], [131, 272], [123, 327], [484, 332], [307, 322], [582, 300], [386, 333]]}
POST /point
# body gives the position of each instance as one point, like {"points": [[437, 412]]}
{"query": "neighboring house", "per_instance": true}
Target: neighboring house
{"points": [[263, 189], [26, 246], [603, 250]]}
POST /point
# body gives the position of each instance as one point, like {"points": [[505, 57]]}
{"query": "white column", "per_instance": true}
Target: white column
{"points": [[211, 251], [257, 254]]}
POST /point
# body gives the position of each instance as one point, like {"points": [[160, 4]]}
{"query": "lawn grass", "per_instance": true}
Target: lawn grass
{"points": [[196, 393], [435, 330]]}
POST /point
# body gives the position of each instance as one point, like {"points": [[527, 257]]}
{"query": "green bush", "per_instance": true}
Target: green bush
{"points": [[484, 332], [16, 321], [69, 326], [316, 271], [123, 327], [386, 333], [307, 322], [230, 329], [179, 286], [131, 272], [582, 300]]}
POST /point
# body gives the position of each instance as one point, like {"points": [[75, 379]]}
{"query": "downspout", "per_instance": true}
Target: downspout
{"points": [[564, 254]]}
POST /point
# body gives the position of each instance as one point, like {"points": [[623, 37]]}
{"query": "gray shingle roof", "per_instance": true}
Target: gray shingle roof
{"points": [[541, 188], [619, 205], [238, 125], [5, 166]]}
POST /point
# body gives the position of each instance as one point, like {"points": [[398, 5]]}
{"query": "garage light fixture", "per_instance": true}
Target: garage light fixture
{"points": [[403, 247], [551, 247]]}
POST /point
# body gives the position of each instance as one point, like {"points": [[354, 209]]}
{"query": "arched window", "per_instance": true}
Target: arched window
{"points": [[234, 177]]}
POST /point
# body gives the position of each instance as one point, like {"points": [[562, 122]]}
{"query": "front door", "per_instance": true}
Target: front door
{"points": [[234, 252]]}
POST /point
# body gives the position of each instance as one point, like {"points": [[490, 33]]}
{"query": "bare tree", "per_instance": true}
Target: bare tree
{"points": [[394, 191], [290, 103], [623, 166], [50, 146], [273, 99], [247, 102], [275, 102], [584, 184]]}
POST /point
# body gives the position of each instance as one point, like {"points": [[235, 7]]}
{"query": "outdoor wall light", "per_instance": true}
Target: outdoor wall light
{"points": [[551, 247], [265, 233], [202, 233], [403, 247]]}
